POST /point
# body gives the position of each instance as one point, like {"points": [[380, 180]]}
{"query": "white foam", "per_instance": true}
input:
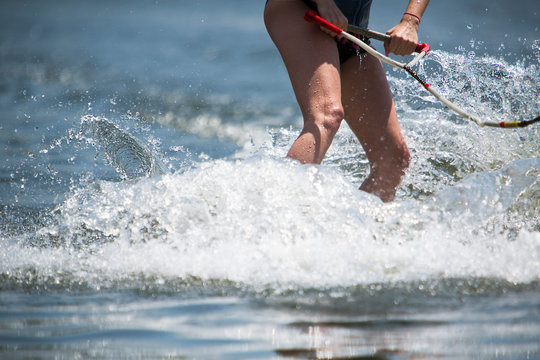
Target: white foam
{"points": [[468, 208], [262, 221]]}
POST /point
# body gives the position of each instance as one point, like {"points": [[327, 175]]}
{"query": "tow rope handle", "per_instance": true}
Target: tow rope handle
{"points": [[312, 17], [422, 50]]}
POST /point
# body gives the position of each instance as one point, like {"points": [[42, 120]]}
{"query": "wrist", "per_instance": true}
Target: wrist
{"points": [[411, 18]]}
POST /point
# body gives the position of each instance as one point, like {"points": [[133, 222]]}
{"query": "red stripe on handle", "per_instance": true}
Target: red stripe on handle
{"points": [[312, 17], [422, 47]]}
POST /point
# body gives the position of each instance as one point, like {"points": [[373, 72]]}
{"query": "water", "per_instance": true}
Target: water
{"points": [[147, 209]]}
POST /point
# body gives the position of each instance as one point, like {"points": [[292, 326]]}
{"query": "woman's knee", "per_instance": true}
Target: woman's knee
{"points": [[332, 118], [328, 120]]}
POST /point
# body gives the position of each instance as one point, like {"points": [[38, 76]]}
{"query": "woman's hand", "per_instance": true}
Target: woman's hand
{"points": [[404, 36], [329, 11]]}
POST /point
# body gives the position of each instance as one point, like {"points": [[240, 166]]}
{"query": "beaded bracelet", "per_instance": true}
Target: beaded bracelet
{"points": [[411, 14]]}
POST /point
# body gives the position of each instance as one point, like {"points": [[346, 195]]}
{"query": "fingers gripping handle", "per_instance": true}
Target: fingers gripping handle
{"points": [[312, 17]]}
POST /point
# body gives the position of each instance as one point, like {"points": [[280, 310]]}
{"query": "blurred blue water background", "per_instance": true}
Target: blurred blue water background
{"points": [[147, 211]]}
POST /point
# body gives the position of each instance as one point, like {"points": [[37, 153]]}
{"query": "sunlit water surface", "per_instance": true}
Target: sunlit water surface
{"points": [[148, 210]]}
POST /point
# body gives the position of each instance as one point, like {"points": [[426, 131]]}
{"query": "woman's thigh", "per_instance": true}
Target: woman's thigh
{"points": [[310, 56]]}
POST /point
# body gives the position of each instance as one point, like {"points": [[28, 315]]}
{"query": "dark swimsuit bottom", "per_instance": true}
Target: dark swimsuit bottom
{"points": [[357, 12], [346, 48]]}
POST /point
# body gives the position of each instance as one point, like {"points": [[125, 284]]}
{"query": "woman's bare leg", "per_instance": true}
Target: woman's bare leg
{"points": [[370, 113], [312, 61]]}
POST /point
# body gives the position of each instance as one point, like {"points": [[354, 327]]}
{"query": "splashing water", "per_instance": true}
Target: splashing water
{"points": [[147, 208], [468, 208], [488, 86], [265, 222], [123, 151]]}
